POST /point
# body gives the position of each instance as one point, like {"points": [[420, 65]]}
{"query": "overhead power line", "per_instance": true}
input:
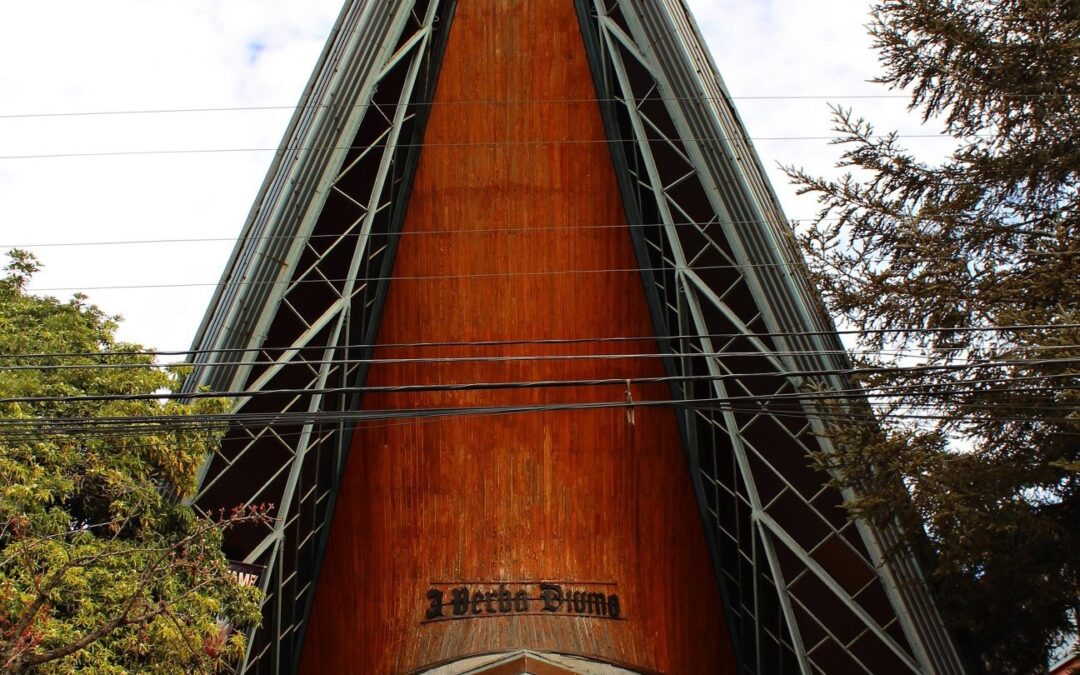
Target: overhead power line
{"points": [[894, 354], [462, 144], [529, 384], [436, 277], [543, 229], [556, 341], [544, 101], [418, 277], [432, 104], [163, 424]]}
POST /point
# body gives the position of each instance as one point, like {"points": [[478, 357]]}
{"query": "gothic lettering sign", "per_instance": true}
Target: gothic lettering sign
{"points": [[477, 599]]}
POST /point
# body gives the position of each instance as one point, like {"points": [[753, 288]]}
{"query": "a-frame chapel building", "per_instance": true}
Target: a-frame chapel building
{"points": [[526, 366]]}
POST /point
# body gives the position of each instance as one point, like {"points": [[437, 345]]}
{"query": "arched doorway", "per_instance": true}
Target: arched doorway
{"points": [[526, 662]]}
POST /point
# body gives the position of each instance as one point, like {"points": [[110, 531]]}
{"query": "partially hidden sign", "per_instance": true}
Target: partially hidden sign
{"points": [[473, 600]]}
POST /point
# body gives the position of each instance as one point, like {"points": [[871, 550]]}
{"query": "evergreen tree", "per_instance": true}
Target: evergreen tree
{"points": [[963, 279], [102, 569]]}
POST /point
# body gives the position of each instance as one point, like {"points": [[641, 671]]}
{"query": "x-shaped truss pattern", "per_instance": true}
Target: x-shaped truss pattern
{"points": [[314, 262], [807, 590]]}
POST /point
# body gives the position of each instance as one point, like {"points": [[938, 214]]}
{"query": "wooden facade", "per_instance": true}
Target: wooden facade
{"points": [[515, 233]]}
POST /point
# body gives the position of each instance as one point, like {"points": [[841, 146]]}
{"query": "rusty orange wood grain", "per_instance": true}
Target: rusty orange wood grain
{"points": [[573, 495]]}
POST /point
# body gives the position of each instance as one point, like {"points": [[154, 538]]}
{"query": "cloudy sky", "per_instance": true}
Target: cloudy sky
{"points": [[118, 76]]}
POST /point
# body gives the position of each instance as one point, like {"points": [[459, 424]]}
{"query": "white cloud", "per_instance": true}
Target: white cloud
{"points": [[814, 53], [78, 56], [129, 55]]}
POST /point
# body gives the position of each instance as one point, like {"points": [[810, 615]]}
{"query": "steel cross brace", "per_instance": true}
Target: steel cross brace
{"points": [[363, 111], [618, 45], [666, 27]]}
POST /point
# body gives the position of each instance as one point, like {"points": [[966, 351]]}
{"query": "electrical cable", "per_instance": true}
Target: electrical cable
{"points": [[554, 341], [549, 101], [121, 428], [417, 277], [892, 354], [463, 144], [490, 230], [450, 233], [838, 394], [287, 419]]}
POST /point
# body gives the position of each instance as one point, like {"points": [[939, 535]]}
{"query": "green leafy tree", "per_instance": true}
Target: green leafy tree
{"points": [[102, 568], [931, 261]]}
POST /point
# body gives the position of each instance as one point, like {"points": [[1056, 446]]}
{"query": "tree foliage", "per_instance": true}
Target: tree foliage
{"points": [[102, 569], [930, 261]]}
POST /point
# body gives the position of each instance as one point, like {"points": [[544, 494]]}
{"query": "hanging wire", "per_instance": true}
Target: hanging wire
{"points": [[551, 341]]}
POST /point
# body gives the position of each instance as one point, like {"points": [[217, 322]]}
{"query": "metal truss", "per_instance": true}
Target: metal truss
{"points": [[305, 284], [807, 590]]}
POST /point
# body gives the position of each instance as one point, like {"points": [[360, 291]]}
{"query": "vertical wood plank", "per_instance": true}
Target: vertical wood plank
{"points": [[515, 231]]}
